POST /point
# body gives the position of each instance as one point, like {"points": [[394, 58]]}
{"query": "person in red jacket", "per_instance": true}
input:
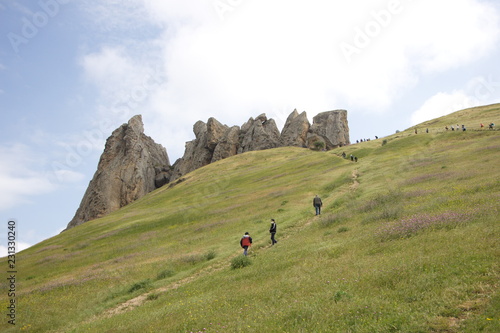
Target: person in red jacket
{"points": [[246, 242]]}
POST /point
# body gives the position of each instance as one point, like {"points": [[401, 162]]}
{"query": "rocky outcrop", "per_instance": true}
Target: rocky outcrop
{"points": [[295, 131], [228, 144], [215, 141], [330, 127], [259, 134], [131, 166], [196, 154]]}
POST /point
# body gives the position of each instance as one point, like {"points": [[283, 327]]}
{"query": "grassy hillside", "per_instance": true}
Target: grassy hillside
{"points": [[408, 242]]}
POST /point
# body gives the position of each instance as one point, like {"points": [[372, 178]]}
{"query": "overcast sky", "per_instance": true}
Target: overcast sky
{"points": [[73, 71]]}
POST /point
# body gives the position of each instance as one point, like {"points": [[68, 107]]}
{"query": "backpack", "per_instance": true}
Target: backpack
{"points": [[245, 241]]}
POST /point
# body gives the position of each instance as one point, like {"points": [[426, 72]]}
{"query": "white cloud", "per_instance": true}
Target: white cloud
{"points": [[478, 91], [19, 247], [442, 104], [19, 176], [110, 69], [288, 52], [264, 56], [448, 34], [68, 176]]}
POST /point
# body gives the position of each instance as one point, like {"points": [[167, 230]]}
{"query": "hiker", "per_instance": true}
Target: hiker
{"points": [[317, 204], [246, 242], [491, 125], [463, 128], [343, 154], [355, 159], [272, 231], [352, 158]]}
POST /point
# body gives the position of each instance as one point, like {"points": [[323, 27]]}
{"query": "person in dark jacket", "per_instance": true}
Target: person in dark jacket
{"points": [[246, 242], [272, 231], [317, 204]]}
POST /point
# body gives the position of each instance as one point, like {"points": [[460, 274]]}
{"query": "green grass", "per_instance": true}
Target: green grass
{"points": [[407, 242]]}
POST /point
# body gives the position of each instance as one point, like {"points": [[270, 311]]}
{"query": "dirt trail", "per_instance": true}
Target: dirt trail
{"points": [[215, 267], [355, 183], [141, 299]]}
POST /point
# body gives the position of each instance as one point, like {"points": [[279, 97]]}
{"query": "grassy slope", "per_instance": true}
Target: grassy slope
{"points": [[408, 242]]}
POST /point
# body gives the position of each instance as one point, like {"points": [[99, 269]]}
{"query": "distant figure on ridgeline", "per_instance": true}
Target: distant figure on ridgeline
{"points": [[246, 242], [317, 203], [272, 231]]}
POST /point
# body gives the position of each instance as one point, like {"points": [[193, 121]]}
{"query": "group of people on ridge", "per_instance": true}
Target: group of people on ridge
{"points": [[246, 240]]}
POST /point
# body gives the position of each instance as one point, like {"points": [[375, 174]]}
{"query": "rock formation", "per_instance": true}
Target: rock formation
{"points": [[228, 144], [215, 141], [259, 134], [131, 166], [330, 127], [294, 132]]}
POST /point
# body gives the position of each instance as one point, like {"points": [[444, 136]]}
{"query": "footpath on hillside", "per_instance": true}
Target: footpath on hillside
{"points": [[216, 266]]}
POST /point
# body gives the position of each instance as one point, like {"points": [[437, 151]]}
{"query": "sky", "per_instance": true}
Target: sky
{"points": [[73, 71]]}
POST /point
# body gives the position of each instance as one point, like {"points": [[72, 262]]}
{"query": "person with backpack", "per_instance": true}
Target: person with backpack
{"points": [[317, 204], [272, 231], [246, 242]]}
